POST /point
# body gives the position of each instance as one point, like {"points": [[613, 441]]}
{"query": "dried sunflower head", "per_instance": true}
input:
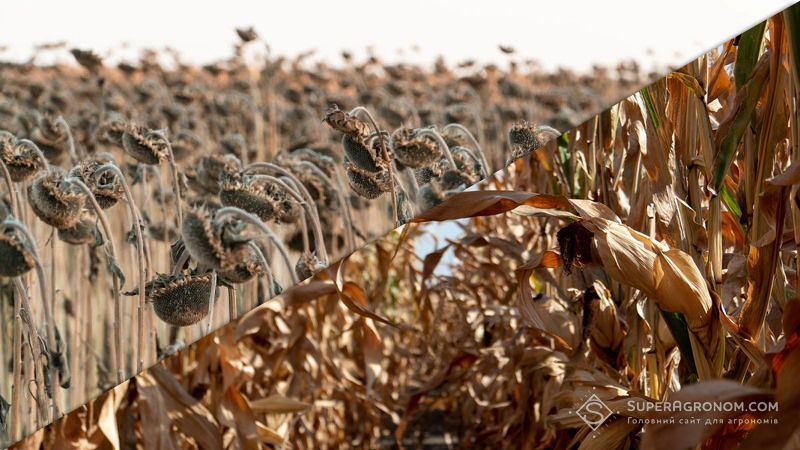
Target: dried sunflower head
{"points": [[179, 300], [244, 271], [145, 145], [414, 150], [16, 258], [211, 169], [326, 163], [430, 195], [106, 188], [110, 132], [255, 196], [321, 192], [21, 161], [209, 243], [247, 34], [234, 144], [424, 175], [343, 122], [51, 138], [360, 151], [83, 232], [307, 266], [523, 134], [54, 200], [87, 58], [369, 185]]}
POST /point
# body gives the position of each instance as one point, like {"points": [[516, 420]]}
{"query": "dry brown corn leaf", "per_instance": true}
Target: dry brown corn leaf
{"points": [[278, 404], [187, 413]]}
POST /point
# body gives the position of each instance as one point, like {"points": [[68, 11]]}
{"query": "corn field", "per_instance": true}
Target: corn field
{"points": [[647, 255]]}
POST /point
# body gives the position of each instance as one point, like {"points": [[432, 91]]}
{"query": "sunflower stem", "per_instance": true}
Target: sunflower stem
{"points": [[175, 182], [109, 238], [211, 299], [12, 189], [140, 249]]}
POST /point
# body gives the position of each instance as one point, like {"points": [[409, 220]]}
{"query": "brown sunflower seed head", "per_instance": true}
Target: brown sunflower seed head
{"points": [[110, 132], [575, 245], [211, 170], [424, 175], [369, 185], [307, 266], [179, 300], [106, 188], [145, 145], [345, 123], [245, 270], [87, 58], [357, 150], [289, 210], [466, 163], [54, 200], [395, 113], [456, 180], [523, 135], [247, 34], [21, 161], [83, 232], [459, 113], [50, 137], [414, 150], [302, 269], [205, 243], [250, 196], [15, 257]]}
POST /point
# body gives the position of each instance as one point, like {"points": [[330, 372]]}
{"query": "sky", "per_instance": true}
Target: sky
{"points": [[564, 33]]}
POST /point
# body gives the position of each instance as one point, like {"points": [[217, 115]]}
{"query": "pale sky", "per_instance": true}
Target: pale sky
{"points": [[560, 33]]}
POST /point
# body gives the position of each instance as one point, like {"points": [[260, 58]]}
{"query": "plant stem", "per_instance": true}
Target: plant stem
{"points": [[211, 299], [109, 238], [137, 228], [267, 268], [175, 183], [16, 413], [49, 325], [73, 154], [12, 189], [232, 314], [343, 204]]}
